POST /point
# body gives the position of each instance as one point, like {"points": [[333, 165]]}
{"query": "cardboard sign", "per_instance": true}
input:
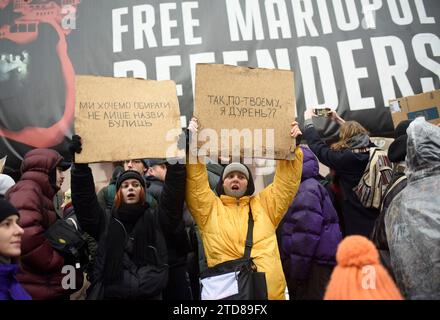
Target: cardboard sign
{"points": [[126, 118], [425, 104], [250, 110]]}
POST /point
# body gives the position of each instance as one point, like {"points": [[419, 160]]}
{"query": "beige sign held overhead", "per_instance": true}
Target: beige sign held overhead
{"points": [[126, 118], [250, 110]]}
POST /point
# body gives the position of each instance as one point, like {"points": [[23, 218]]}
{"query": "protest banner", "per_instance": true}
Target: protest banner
{"points": [[125, 118], [249, 110]]}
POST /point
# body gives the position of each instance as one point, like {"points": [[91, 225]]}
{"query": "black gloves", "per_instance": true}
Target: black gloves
{"points": [[75, 146], [299, 139]]}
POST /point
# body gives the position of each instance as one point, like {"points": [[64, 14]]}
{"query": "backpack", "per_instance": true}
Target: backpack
{"points": [[375, 179], [67, 238]]}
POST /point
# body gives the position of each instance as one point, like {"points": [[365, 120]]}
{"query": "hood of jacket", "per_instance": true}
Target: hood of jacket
{"points": [[310, 164], [423, 149], [38, 165]]}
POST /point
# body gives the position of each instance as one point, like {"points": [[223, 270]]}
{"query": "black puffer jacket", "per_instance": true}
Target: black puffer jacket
{"points": [[137, 283]]}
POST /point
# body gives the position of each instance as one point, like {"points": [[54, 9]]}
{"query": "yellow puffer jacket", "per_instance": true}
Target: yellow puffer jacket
{"points": [[223, 221]]}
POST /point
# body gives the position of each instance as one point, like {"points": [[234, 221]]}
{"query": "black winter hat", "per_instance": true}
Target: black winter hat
{"points": [[397, 149], [130, 174], [7, 209], [154, 161], [401, 128], [145, 162]]}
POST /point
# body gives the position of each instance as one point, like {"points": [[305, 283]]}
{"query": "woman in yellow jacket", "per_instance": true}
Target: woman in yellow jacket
{"points": [[223, 219]]}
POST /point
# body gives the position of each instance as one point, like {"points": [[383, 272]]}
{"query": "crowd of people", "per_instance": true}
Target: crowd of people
{"points": [[156, 227]]}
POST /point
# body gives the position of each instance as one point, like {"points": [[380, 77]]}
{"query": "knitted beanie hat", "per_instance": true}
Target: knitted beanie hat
{"points": [[359, 274], [130, 174], [235, 166], [7, 209]]}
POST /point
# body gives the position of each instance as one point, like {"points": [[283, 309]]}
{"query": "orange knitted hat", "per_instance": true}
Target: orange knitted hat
{"points": [[359, 274]]}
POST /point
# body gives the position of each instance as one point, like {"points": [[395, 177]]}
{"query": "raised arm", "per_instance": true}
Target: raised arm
{"points": [[277, 196], [172, 197], [325, 155], [90, 214], [199, 198]]}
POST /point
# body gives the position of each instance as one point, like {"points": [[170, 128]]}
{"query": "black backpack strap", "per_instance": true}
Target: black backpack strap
{"points": [[249, 237], [203, 265], [201, 255]]}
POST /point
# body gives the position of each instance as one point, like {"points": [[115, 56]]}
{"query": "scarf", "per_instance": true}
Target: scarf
{"points": [[10, 288], [133, 221]]}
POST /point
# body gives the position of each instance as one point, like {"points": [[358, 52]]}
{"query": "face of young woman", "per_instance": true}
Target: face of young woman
{"points": [[235, 184], [131, 190], [10, 237]]}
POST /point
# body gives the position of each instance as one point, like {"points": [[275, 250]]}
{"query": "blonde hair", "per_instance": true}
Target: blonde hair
{"points": [[348, 130]]}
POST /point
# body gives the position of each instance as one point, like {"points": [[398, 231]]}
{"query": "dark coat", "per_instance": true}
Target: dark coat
{"points": [[155, 187], [33, 197], [310, 230], [178, 244], [349, 166], [94, 220]]}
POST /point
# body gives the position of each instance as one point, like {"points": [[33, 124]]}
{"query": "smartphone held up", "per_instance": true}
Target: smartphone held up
{"points": [[322, 112]]}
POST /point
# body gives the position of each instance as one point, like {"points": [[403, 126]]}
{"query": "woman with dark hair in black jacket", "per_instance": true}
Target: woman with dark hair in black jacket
{"points": [[131, 261]]}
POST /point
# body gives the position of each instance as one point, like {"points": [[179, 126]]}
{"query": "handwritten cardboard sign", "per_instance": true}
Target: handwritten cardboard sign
{"points": [[126, 118], [234, 101]]}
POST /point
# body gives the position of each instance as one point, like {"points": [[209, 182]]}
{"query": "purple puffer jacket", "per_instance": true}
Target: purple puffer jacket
{"points": [[310, 230]]}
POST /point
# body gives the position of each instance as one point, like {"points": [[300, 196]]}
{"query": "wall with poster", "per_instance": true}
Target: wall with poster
{"points": [[351, 55]]}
